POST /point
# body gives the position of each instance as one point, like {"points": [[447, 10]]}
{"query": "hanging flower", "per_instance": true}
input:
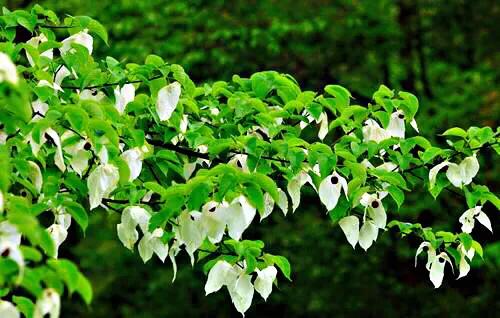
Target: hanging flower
{"points": [[213, 221], [132, 217], [459, 175], [295, 185], [464, 266], [92, 95], [330, 189], [436, 272], [238, 215], [152, 243], [373, 205], [123, 96], [79, 151], [350, 227], [476, 213], [373, 132], [35, 42], [8, 71], [431, 254], [264, 282], [49, 303], [8, 310], [190, 232], [168, 98], [133, 157], [82, 38], [101, 182]]}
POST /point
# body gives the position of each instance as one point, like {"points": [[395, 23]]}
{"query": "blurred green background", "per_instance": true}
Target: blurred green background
{"points": [[446, 52]]}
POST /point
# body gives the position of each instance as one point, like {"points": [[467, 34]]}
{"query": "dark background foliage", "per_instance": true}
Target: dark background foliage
{"points": [[446, 52]]}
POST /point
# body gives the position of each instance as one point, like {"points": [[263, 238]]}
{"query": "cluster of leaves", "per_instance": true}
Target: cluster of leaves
{"points": [[192, 165]]}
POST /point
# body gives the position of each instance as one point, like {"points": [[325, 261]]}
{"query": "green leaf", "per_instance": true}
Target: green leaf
{"points": [[340, 209], [78, 213], [198, 196], [282, 263], [255, 196], [397, 195], [455, 131], [341, 95]]}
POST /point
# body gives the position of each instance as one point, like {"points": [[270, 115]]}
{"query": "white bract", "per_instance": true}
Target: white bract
{"points": [[35, 42], [80, 157], [396, 127], [132, 217], [101, 182], [467, 219], [431, 253], [458, 174], [190, 232], [239, 283], [168, 98], [373, 132], [465, 254], [295, 185], [8, 310], [123, 96], [8, 71], [82, 38], [133, 157], [10, 241], [436, 272], [49, 134], [330, 189], [376, 211], [49, 303]]}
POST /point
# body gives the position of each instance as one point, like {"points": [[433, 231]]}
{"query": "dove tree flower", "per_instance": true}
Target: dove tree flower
{"points": [[35, 42], [330, 190], [458, 174], [167, 100], [467, 219], [373, 132], [48, 304], [8, 71], [436, 272], [123, 96], [8, 310], [101, 182], [81, 38], [295, 185]]}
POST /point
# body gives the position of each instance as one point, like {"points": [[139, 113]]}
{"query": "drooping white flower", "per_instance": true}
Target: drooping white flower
{"points": [[190, 231], [123, 96], [101, 182], [241, 290], [464, 266], [268, 206], [376, 211], [10, 240], [58, 234], [431, 254], [283, 201], [436, 272], [264, 282], [396, 127], [330, 189], [467, 219], [152, 243], [221, 274], [49, 303], [174, 250], [48, 134], [80, 156], [168, 98], [8, 71], [132, 217], [323, 128], [92, 94], [35, 175], [350, 227], [239, 161], [295, 185], [8, 310], [62, 73], [3, 137], [238, 215], [213, 221], [40, 108], [367, 234], [373, 132], [35, 42], [458, 174], [133, 157], [82, 38]]}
